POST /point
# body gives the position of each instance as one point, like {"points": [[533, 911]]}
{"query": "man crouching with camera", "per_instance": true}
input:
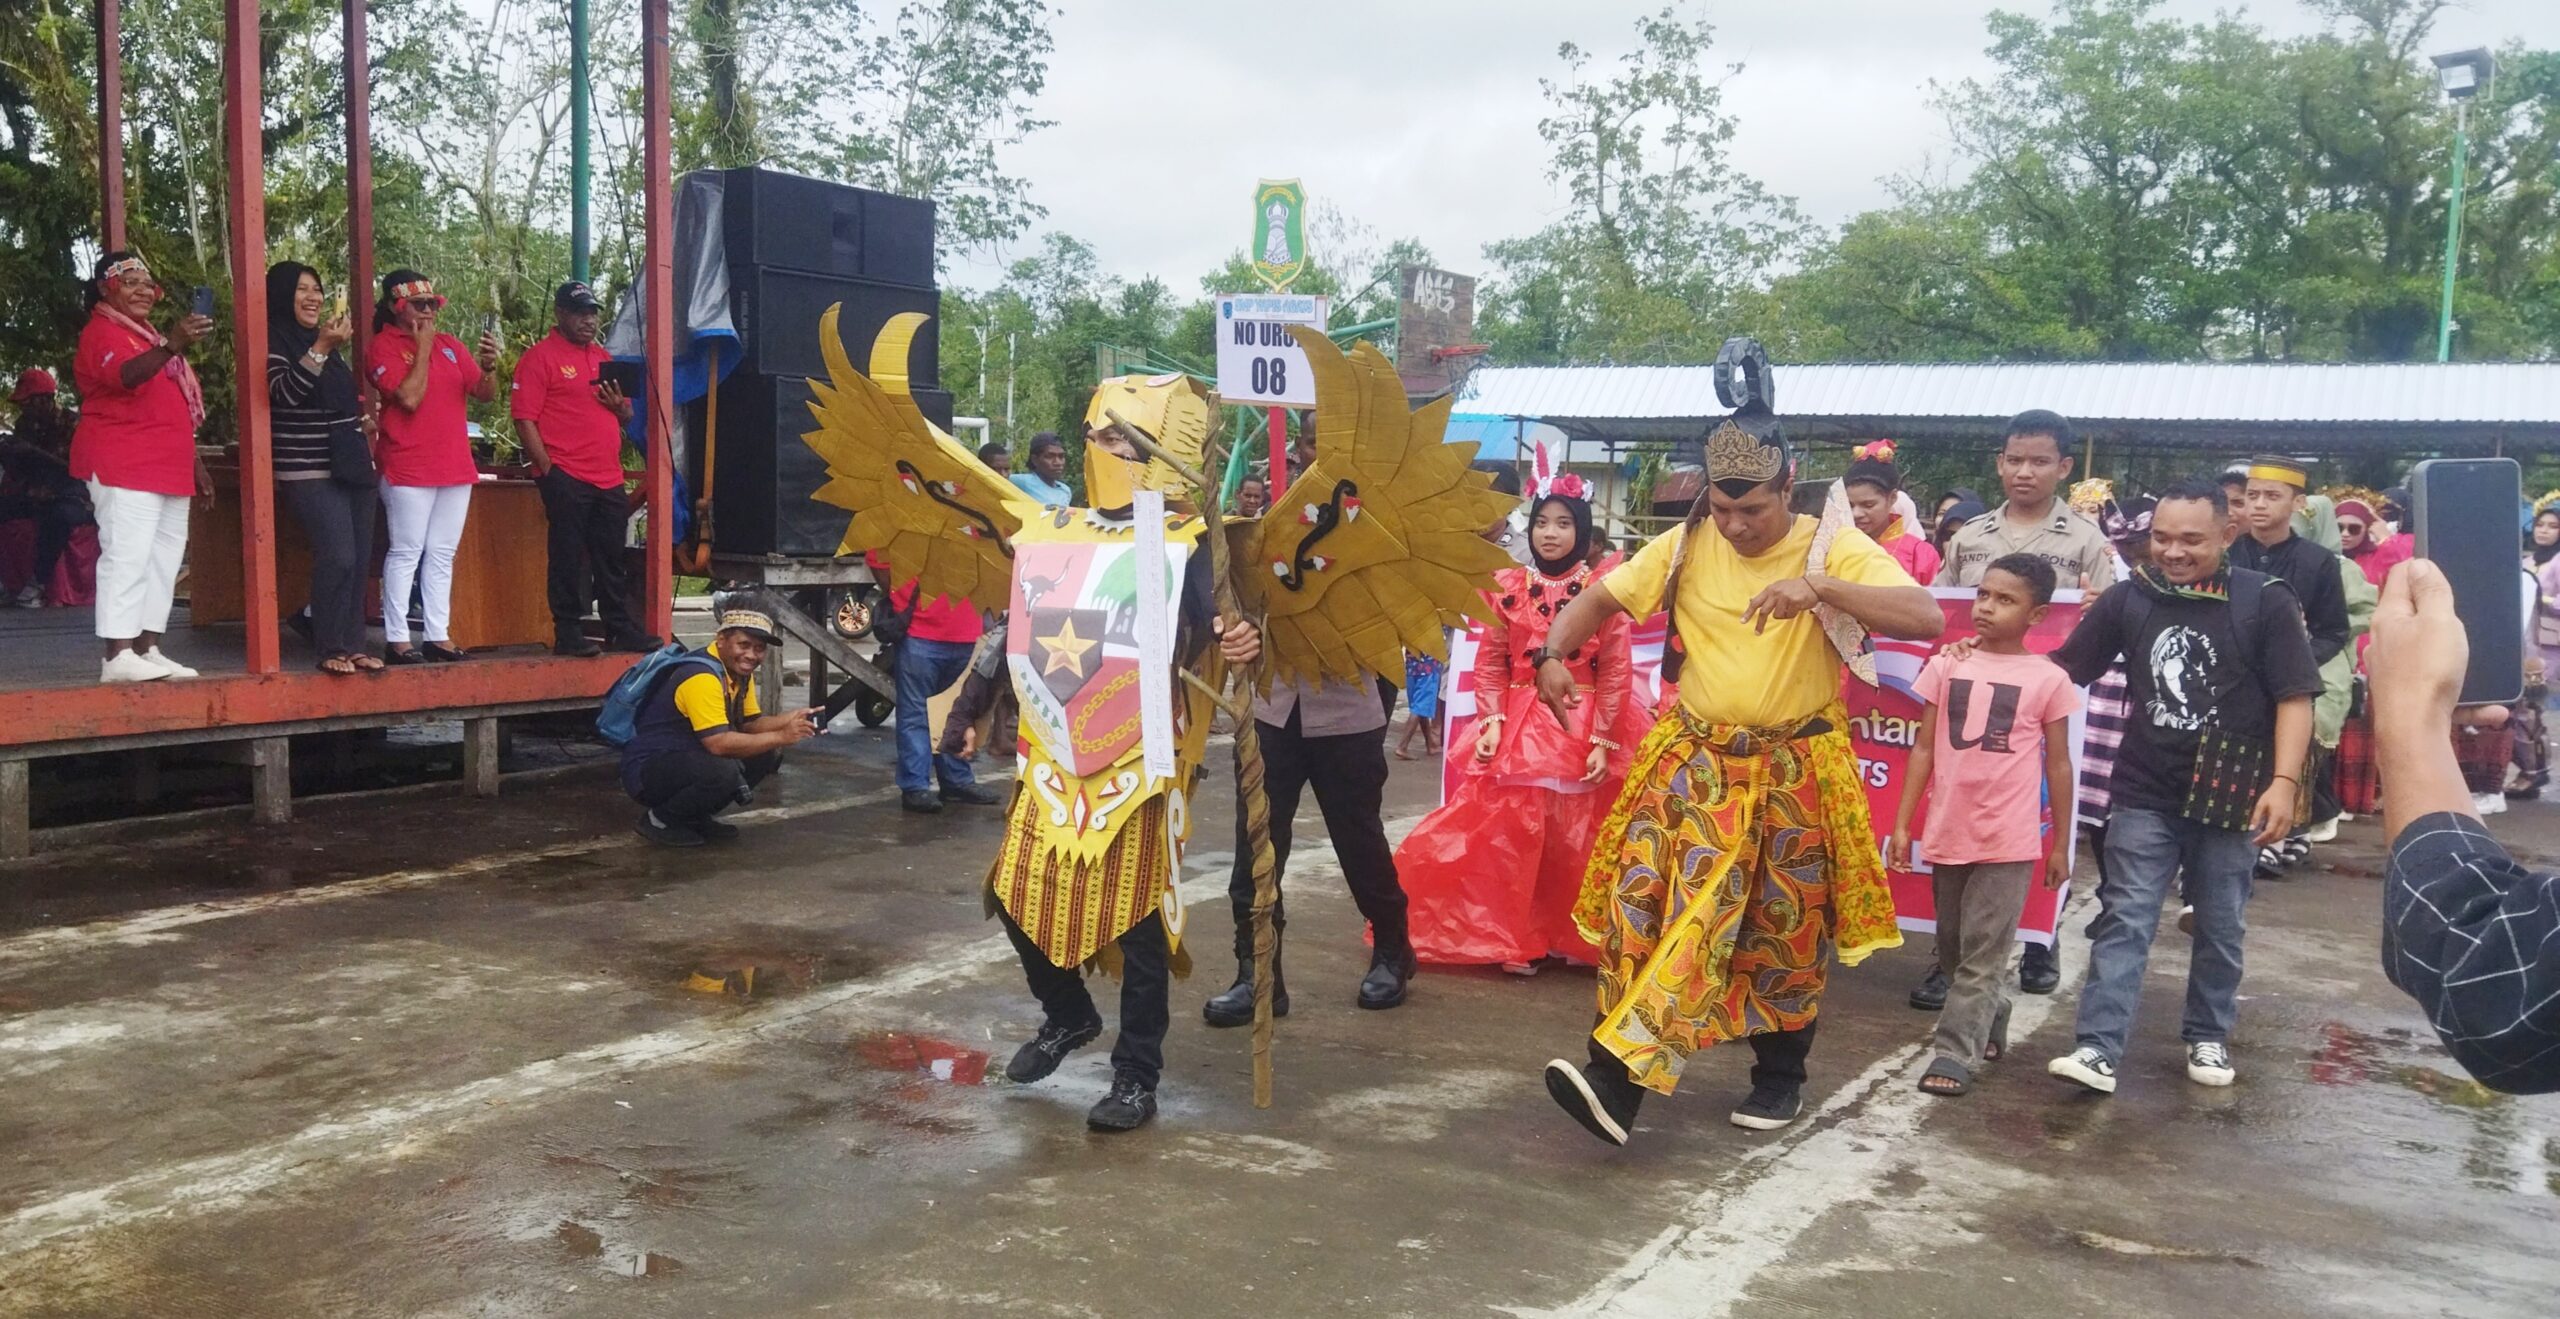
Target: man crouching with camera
{"points": [[702, 742]]}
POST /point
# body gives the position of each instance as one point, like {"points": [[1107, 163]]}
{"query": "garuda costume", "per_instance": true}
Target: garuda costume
{"points": [[1739, 860], [1110, 643]]}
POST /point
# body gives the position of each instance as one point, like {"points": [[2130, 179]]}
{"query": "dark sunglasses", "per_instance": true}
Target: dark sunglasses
{"points": [[425, 304]]}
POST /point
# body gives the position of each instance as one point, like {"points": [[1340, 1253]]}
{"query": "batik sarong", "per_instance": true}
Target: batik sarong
{"points": [[1737, 864]]}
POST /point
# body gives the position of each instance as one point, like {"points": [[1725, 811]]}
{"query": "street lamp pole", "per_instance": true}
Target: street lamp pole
{"points": [[2453, 230], [2463, 74]]}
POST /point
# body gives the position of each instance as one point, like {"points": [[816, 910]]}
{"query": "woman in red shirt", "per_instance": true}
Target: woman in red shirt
{"points": [[424, 452], [136, 447]]}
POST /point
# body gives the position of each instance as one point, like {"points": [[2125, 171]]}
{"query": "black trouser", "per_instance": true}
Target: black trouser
{"points": [[338, 521], [1777, 1058], [1146, 993], [1349, 774], [587, 561], [56, 516], [685, 787]]}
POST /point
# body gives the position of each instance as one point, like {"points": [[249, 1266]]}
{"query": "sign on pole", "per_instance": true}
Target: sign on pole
{"points": [[1258, 363], [1435, 311], [1279, 232]]}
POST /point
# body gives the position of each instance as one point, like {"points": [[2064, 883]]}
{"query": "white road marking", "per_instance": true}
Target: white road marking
{"points": [[160, 924], [224, 1181], [1721, 1240]]}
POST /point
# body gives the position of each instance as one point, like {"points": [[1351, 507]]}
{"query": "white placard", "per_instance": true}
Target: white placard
{"points": [[1258, 363], [1155, 638]]}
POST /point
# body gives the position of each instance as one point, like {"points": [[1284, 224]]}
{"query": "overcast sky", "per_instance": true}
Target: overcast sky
{"points": [[1419, 117]]}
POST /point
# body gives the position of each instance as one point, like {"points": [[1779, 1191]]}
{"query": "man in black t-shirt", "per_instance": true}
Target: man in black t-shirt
{"points": [[2212, 653]]}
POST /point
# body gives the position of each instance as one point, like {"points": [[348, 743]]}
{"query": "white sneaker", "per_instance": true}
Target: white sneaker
{"points": [[2324, 832], [32, 597], [2086, 1066], [130, 666], [159, 660], [2489, 803], [2209, 1063]]}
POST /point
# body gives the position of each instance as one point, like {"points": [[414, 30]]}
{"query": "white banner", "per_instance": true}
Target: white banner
{"points": [[1155, 638]]}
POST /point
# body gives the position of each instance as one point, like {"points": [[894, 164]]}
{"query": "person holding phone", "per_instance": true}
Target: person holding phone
{"points": [[136, 447], [570, 418], [323, 468], [426, 379]]}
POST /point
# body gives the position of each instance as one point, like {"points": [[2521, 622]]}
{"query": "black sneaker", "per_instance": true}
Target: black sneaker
{"points": [[1049, 1048], [1931, 993], [920, 802], [2039, 969], [1130, 1105], [1769, 1108], [578, 647], [1604, 1105], [634, 643], [966, 794], [667, 835], [1389, 974], [718, 831]]}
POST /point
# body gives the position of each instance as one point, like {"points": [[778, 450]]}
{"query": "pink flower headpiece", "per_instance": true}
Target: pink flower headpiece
{"points": [[1552, 484]]}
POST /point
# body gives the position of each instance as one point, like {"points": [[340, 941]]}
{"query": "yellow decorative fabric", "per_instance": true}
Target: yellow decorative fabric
{"points": [[1379, 544], [1736, 864], [923, 501]]}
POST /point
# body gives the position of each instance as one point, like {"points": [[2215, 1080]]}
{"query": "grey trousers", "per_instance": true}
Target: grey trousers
{"points": [[1978, 909], [2146, 853]]}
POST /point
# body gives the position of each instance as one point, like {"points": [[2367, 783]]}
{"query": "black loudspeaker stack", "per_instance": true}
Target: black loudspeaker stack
{"points": [[796, 246]]}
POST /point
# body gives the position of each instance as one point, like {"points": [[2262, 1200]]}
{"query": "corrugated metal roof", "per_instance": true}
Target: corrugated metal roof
{"points": [[2171, 402]]}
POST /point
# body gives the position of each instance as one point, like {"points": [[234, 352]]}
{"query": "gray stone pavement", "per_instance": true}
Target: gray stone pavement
{"points": [[421, 1056]]}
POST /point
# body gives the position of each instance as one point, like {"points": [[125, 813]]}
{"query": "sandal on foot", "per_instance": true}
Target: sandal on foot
{"points": [[340, 665], [1946, 1078], [1996, 1043], [365, 663]]}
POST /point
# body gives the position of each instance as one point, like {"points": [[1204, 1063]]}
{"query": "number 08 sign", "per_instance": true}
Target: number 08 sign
{"points": [[1258, 363]]}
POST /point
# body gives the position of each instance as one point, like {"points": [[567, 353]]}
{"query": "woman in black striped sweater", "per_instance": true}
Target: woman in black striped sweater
{"points": [[323, 466]]}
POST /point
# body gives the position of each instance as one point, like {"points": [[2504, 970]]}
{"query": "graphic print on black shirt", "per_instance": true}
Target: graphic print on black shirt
{"points": [[2186, 671], [1997, 724]]}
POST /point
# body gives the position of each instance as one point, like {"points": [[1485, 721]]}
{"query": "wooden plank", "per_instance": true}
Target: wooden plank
{"points": [[359, 110], [270, 780], [244, 133], [234, 733], [15, 841], [480, 757], [111, 121], [96, 711], [657, 191], [822, 640]]}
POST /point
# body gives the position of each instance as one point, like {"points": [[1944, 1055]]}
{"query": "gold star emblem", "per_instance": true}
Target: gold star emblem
{"points": [[1066, 650]]}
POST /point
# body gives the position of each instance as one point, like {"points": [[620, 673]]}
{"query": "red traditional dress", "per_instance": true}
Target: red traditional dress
{"points": [[1492, 876]]}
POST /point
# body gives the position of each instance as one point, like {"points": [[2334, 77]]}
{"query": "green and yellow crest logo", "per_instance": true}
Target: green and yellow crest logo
{"points": [[1279, 232]]}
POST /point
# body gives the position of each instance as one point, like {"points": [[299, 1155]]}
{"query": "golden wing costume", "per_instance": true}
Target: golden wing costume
{"points": [[1379, 544]]}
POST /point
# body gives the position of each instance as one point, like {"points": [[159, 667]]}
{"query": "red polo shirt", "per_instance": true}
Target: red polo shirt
{"points": [[942, 618], [555, 389], [432, 444], [132, 439]]}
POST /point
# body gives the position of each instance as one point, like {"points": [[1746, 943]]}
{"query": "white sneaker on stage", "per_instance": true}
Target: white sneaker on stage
{"points": [[130, 666], [168, 667]]}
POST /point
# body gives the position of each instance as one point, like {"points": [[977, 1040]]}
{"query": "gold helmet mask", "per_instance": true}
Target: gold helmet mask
{"points": [[1174, 412]]}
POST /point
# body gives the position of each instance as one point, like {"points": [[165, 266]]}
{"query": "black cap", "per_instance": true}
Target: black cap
{"points": [[576, 296]]}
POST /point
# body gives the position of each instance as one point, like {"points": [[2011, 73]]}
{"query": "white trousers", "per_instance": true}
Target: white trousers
{"points": [[426, 524], [142, 538]]}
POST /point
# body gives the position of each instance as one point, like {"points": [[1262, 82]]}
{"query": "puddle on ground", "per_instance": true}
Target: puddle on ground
{"points": [[585, 1243], [898, 1051], [755, 962], [2500, 1151]]}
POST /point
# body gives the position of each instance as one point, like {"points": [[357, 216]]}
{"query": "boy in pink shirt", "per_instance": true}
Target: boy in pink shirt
{"points": [[1993, 747]]}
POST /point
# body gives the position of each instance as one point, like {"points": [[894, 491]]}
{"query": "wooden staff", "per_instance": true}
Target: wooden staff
{"points": [[1251, 800]]}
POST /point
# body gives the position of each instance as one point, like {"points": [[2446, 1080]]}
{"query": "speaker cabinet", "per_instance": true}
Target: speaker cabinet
{"points": [[784, 221], [778, 311], [763, 501]]}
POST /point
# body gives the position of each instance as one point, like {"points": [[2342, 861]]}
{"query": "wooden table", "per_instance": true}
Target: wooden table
{"points": [[500, 596]]}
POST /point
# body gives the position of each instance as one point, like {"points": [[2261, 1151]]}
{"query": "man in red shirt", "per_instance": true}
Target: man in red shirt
{"points": [[570, 418], [935, 639]]}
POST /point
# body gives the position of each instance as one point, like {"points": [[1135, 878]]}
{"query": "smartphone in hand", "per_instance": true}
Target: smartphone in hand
{"points": [[2465, 525], [202, 304]]}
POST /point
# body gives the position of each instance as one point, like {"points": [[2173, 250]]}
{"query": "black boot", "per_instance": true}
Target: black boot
{"points": [[1930, 994], [1390, 970], [2039, 969], [1046, 1050], [1129, 1106], [1599, 1095], [1235, 1006]]}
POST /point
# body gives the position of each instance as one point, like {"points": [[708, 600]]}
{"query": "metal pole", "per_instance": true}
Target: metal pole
{"points": [[659, 311], [244, 145], [579, 167], [111, 124], [1008, 388], [359, 180], [2453, 230]]}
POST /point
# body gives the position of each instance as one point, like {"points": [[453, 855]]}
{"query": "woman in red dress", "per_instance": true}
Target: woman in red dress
{"points": [[1880, 508], [1492, 877]]}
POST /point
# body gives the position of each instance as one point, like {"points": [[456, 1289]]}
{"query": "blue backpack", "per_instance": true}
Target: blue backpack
{"points": [[619, 721]]}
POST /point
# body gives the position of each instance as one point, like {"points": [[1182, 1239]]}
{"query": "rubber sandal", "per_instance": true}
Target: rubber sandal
{"points": [[365, 663], [1952, 1078], [1996, 1044], [339, 665]]}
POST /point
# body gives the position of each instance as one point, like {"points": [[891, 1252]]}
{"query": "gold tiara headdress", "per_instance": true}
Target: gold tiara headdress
{"points": [[1735, 454]]}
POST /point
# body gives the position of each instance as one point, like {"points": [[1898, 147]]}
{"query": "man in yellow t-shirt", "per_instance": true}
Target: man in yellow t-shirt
{"points": [[1739, 859], [702, 741]]}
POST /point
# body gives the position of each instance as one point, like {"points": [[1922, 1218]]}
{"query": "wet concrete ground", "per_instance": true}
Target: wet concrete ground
{"points": [[417, 1056]]}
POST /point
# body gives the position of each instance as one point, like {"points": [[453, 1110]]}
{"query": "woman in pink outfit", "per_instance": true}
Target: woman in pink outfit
{"points": [[1878, 504]]}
